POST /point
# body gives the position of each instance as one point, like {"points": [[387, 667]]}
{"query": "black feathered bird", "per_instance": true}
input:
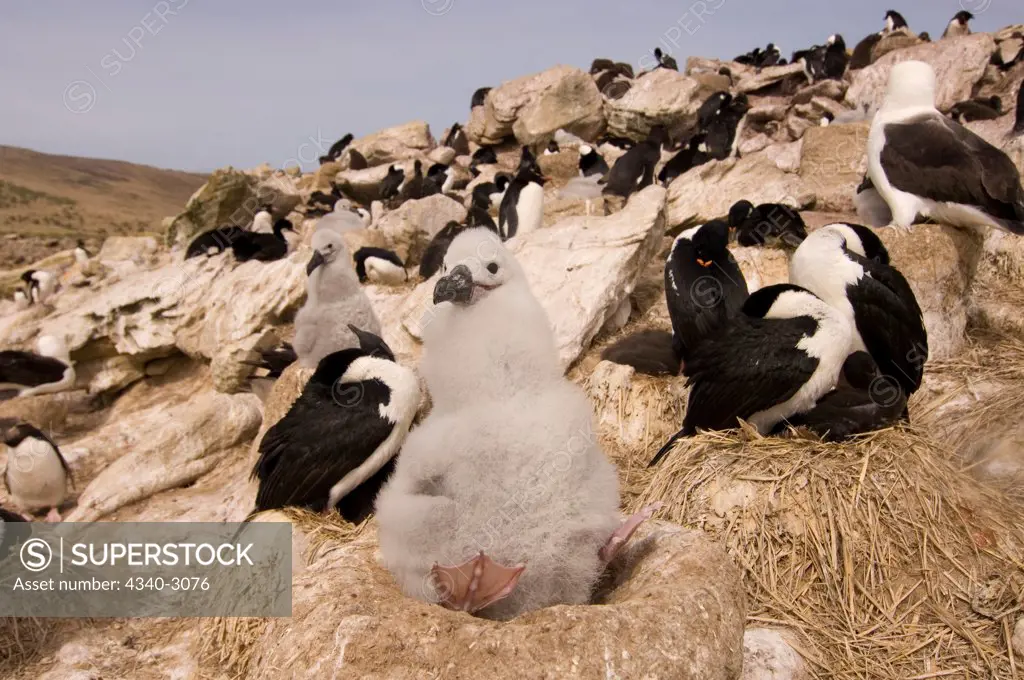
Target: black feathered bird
{"points": [[213, 240], [768, 223], [775, 359], [261, 247], [635, 169], [692, 155], [704, 286], [336, 444]]}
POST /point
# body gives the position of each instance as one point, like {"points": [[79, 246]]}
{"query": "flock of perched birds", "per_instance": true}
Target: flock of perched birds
{"points": [[473, 500]]}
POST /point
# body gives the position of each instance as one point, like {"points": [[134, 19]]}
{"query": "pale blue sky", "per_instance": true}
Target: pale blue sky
{"points": [[199, 84]]}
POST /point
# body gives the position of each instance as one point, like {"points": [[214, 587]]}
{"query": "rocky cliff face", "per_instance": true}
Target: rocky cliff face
{"points": [[159, 425]]}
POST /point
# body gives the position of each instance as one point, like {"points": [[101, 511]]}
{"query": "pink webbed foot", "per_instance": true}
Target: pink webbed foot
{"points": [[475, 584], [53, 516], [610, 549]]}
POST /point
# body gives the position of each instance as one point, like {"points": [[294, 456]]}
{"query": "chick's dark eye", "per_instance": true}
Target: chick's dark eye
{"points": [[493, 267]]}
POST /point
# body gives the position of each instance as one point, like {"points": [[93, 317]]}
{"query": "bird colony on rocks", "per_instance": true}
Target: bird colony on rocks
{"points": [[779, 247]]}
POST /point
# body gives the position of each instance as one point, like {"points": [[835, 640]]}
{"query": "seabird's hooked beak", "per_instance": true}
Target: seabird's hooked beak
{"points": [[456, 287], [314, 262]]}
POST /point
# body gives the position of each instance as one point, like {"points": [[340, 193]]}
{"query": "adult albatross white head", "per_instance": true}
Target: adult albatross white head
{"points": [[924, 165]]}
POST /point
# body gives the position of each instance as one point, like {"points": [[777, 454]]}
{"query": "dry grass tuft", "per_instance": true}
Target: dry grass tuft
{"points": [[227, 642], [20, 640], [888, 559]]}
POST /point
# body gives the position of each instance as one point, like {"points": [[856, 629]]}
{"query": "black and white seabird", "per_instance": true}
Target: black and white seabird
{"points": [[894, 21], [624, 143], [81, 254], [834, 263], [214, 241], [750, 58], [378, 265], [433, 256], [37, 475], [769, 57], [522, 207], [485, 155], [412, 188], [501, 182], [441, 179], [924, 165], [40, 283], [768, 223], [552, 148], [479, 97], [864, 401], [275, 360], [480, 204], [722, 135], [693, 154], [704, 286], [335, 446], [592, 162], [664, 60], [634, 170], [775, 359], [986, 108], [456, 140], [836, 58], [391, 183], [958, 25], [334, 153], [263, 221], [711, 107], [262, 247], [45, 371]]}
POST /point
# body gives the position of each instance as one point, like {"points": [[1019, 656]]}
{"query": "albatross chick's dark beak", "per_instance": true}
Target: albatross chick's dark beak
{"points": [[314, 262], [456, 287]]}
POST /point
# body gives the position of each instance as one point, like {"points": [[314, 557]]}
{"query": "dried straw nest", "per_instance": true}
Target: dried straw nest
{"points": [[227, 642], [888, 560], [20, 640]]}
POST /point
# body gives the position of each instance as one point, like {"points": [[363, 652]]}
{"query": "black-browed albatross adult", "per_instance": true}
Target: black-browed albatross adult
{"points": [[924, 165]]}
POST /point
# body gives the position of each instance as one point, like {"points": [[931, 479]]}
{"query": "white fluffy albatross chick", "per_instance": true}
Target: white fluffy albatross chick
{"points": [[334, 300], [502, 501], [483, 293], [926, 166]]}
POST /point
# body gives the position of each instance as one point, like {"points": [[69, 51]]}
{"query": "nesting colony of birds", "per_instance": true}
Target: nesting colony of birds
{"points": [[426, 422]]}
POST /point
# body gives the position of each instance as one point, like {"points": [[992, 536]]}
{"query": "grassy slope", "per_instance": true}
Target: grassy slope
{"points": [[49, 201]]}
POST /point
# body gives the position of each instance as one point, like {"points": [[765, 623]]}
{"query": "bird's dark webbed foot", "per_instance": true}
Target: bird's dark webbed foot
{"points": [[610, 549], [475, 584]]}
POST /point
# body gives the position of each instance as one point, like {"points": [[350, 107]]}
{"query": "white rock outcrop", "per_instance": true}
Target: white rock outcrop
{"points": [[581, 269], [159, 449], [959, 63], [708, 191], [210, 308], [535, 106]]}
